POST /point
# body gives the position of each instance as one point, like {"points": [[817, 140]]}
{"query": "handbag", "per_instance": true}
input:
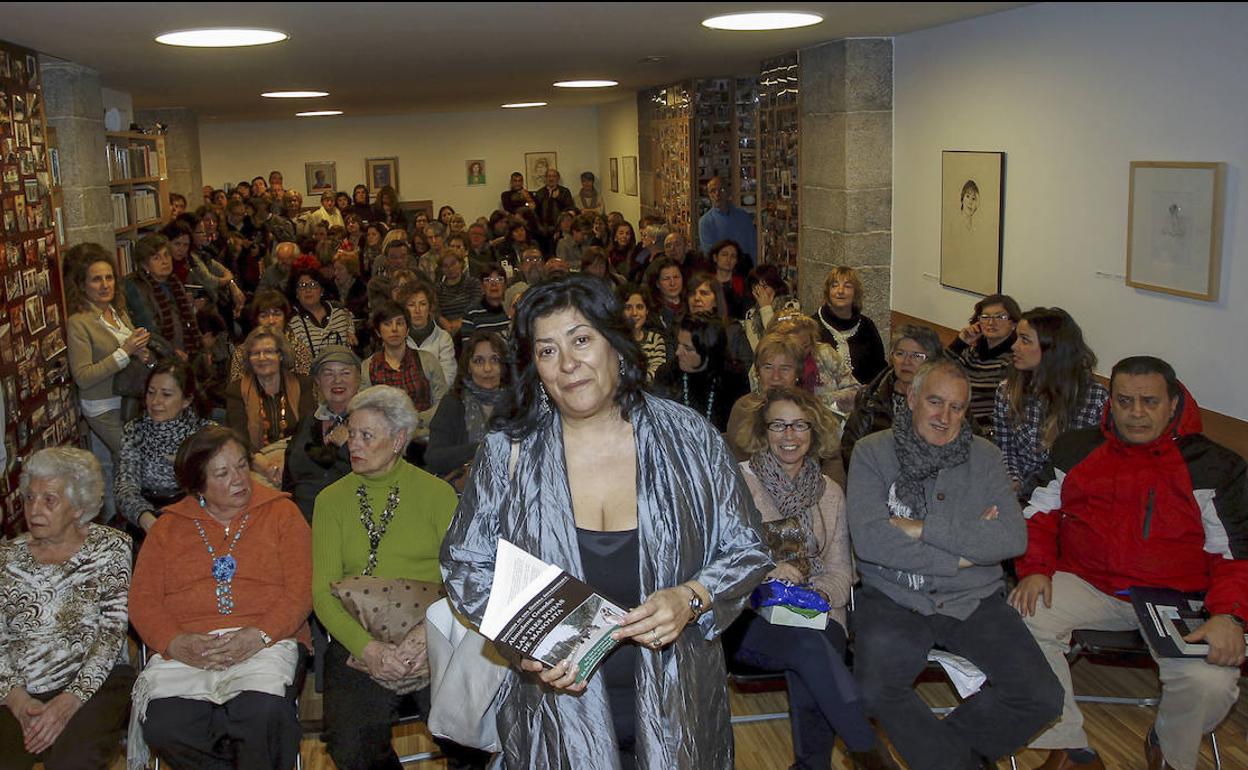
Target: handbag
{"points": [[391, 610], [131, 382], [466, 672]]}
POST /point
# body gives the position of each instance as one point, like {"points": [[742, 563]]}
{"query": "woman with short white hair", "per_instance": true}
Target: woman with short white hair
{"points": [[64, 678]]}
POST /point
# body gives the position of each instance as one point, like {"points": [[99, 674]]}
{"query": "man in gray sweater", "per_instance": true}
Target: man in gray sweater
{"points": [[932, 515]]}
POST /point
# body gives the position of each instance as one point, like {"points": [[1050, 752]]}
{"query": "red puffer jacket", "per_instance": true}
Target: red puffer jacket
{"points": [[1172, 513]]}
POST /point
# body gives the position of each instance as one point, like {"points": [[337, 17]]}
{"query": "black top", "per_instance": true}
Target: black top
{"points": [[611, 562], [866, 349]]}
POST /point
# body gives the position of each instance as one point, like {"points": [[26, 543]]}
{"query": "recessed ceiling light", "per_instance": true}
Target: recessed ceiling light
{"points": [[521, 105], [762, 20], [221, 37], [294, 94], [317, 113], [586, 84]]}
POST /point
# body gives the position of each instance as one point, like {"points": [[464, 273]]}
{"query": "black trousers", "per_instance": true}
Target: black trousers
{"points": [[360, 715], [1022, 695], [251, 731], [91, 738]]}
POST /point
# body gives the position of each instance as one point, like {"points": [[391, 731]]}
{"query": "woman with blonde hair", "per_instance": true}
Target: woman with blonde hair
{"points": [[842, 325]]}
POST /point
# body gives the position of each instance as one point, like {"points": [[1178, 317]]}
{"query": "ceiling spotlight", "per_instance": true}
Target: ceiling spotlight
{"points": [[521, 105], [293, 94], [221, 37], [317, 113], [585, 84], [762, 20]]}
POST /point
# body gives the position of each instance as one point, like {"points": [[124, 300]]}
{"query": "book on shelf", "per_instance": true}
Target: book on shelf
{"points": [[539, 611], [145, 204], [1166, 616], [131, 161], [125, 257], [121, 211]]}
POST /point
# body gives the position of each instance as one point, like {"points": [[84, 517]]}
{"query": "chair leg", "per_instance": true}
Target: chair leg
{"points": [[1013, 762], [1217, 755]]}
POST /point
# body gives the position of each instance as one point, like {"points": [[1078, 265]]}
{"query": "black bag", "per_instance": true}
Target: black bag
{"points": [[131, 382]]}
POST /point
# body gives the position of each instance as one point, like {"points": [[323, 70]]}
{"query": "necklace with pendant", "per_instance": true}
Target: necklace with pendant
{"points": [[224, 567]]}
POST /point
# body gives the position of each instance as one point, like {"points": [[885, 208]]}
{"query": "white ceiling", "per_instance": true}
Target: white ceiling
{"points": [[388, 58]]}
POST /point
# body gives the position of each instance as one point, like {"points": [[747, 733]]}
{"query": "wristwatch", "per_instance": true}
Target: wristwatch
{"points": [[695, 603], [268, 640]]}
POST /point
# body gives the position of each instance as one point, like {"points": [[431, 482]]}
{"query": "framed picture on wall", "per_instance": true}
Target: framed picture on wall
{"points": [[971, 212], [475, 170], [1174, 228], [321, 176], [535, 166], [615, 175], [630, 174], [381, 172]]}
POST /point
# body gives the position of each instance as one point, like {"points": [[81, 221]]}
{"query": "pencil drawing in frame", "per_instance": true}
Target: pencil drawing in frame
{"points": [[971, 212], [1174, 228]]}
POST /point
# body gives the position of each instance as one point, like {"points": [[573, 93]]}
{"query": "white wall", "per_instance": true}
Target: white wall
{"points": [[431, 150], [617, 138], [1072, 94]]}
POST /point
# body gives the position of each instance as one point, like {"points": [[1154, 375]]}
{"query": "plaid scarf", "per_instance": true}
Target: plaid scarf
{"points": [[921, 461], [409, 378], [164, 310]]}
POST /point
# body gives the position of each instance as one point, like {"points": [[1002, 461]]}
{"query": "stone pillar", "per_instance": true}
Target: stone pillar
{"points": [[847, 169], [71, 95], [181, 150]]}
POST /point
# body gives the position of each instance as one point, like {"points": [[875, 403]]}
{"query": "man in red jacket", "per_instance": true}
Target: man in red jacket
{"points": [[1145, 500]]}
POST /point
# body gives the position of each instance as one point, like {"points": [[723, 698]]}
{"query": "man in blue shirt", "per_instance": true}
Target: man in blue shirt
{"points": [[725, 220]]}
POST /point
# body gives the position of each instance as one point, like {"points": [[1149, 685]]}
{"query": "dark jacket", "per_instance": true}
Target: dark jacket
{"points": [[866, 349], [711, 392], [873, 411], [550, 206], [449, 447], [311, 465]]}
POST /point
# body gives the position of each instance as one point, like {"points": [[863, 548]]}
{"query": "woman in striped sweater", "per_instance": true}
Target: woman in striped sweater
{"points": [[985, 348]]}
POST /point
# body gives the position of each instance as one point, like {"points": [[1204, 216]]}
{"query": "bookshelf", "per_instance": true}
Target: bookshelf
{"points": [[138, 182]]}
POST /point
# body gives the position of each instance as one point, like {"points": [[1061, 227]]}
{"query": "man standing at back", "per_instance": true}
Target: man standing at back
{"points": [[931, 516], [726, 221], [551, 200], [1144, 500]]}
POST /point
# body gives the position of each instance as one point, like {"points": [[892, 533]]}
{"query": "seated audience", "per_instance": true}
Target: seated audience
{"points": [[985, 348], [145, 480], [457, 291], [843, 326], [157, 300], [316, 321], [316, 455], [1087, 548], [931, 516], [622, 248], [349, 287], [803, 514], [204, 270], [328, 213], [724, 256], [698, 377], [1049, 391], [481, 389], [211, 365], [480, 252], [823, 370], [271, 310], [413, 371], [386, 210], [429, 264], [772, 297], [277, 275], [371, 251], [877, 403], [532, 267], [775, 366], [361, 206], [265, 404], [489, 315], [650, 340], [571, 247], [221, 595], [705, 296], [64, 677], [425, 334], [665, 295]]}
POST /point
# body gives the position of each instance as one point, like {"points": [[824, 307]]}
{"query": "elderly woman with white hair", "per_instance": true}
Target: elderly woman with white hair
{"points": [[386, 520], [64, 678]]}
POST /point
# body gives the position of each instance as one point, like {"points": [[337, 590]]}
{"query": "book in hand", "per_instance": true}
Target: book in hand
{"points": [[1166, 616], [539, 611]]}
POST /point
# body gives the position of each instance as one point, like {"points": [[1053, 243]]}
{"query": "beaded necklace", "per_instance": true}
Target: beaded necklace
{"points": [[375, 532], [224, 567], [710, 396]]}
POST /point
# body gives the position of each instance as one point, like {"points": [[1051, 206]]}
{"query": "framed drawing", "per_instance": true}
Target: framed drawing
{"points": [[1174, 228], [476, 172], [381, 172], [321, 176], [535, 165], [615, 175], [630, 174], [971, 212]]}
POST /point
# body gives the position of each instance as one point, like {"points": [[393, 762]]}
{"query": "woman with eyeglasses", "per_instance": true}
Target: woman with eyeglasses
{"points": [[984, 347], [317, 322], [265, 405], [271, 310], [490, 315], [804, 526], [878, 401]]}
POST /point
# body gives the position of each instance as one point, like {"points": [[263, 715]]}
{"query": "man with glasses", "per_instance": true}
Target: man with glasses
{"points": [[932, 515], [489, 315], [984, 347], [725, 221]]}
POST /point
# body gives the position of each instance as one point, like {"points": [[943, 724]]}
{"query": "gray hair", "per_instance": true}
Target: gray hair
{"points": [[394, 406], [940, 363], [925, 336], [80, 470]]}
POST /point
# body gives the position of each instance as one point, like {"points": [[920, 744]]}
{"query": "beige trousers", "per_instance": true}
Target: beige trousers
{"points": [[1195, 696]]}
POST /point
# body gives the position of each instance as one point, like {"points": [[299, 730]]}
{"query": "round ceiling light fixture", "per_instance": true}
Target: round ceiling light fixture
{"points": [[759, 21], [585, 84], [294, 94], [317, 113], [522, 105], [222, 37]]}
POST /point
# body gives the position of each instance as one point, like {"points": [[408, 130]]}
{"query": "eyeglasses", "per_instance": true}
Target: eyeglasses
{"points": [[909, 355], [303, 286], [492, 279], [780, 426], [994, 317]]}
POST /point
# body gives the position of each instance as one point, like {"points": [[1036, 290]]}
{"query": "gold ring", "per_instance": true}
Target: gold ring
{"points": [[655, 639]]}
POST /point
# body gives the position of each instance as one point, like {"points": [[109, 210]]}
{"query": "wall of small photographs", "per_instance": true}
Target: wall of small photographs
{"points": [[38, 407], [779, 146], [664, 151]]}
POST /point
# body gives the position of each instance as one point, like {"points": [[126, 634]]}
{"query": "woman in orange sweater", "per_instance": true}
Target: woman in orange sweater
{"points": [[221, 595]]}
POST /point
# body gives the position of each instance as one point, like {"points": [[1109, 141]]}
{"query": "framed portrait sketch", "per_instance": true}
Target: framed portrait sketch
{"points": [[1174, 228], [630, 174], [535, 165], [381, 172], [971, 212], [321, 176], [476, 172], [615, 175]]}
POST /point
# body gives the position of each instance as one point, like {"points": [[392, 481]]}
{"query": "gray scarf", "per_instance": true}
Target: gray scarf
{"points": [[921, 461], [795, 498]]}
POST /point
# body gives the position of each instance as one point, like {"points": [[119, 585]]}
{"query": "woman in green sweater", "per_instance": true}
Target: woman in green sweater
{"points": [[386, 518]]}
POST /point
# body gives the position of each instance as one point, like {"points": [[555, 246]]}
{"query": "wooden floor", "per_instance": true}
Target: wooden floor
{"points": [[1117, 731]]}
